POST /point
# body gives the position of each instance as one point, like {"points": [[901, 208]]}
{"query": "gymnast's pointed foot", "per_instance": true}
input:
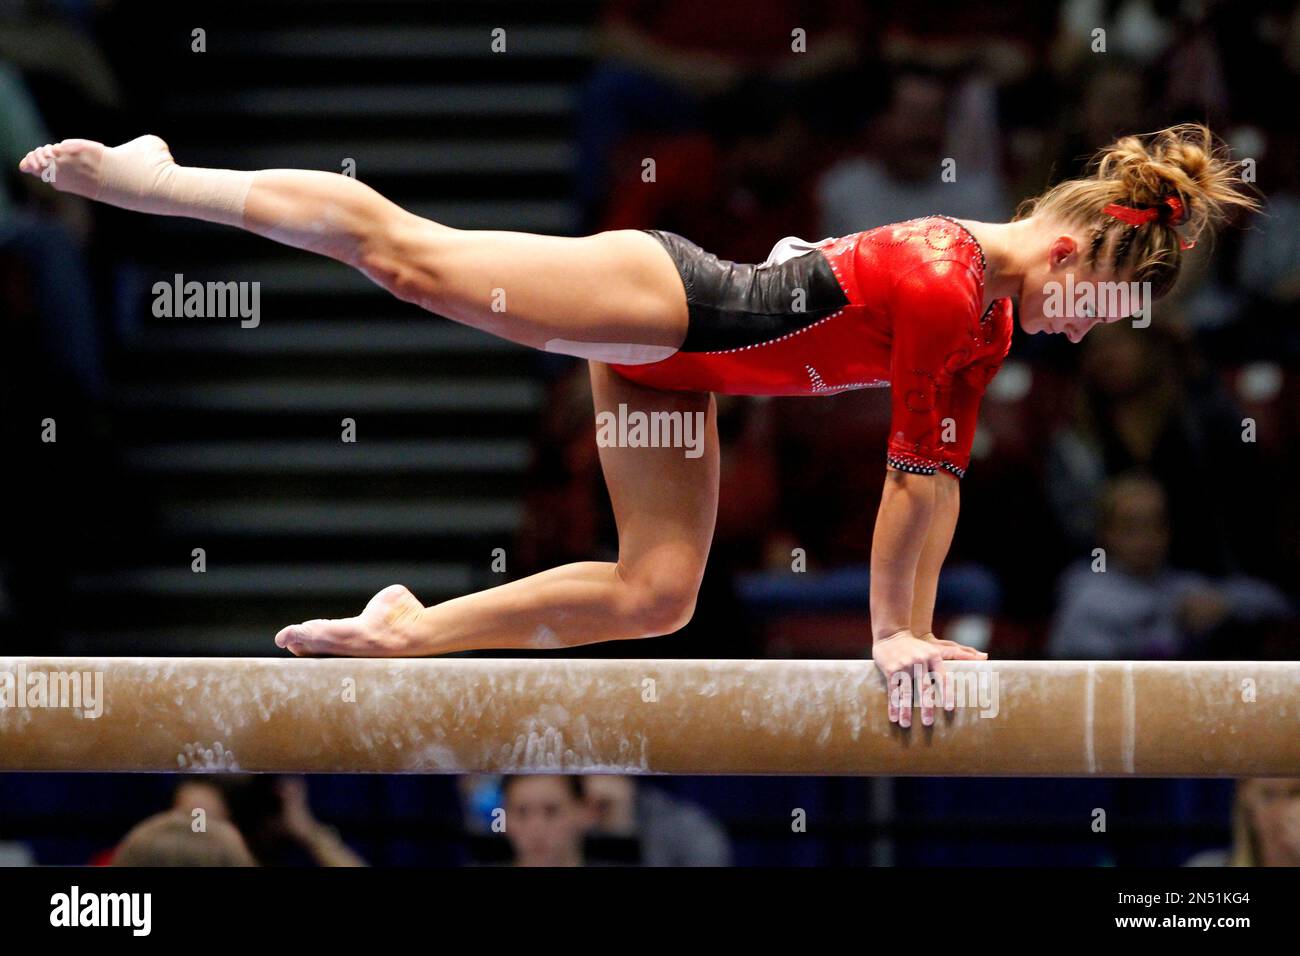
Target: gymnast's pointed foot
{"points": [[141, 176], [83, 167], [383, 629]]}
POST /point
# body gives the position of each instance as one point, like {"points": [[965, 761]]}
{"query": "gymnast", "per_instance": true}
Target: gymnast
{"points": [[924, 307]]}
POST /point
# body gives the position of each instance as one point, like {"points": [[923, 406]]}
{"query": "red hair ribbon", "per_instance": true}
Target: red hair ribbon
{"points": [[1169, 211]]}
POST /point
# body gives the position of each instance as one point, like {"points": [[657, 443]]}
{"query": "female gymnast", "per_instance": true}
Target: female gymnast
{"points": [[922, 306]]}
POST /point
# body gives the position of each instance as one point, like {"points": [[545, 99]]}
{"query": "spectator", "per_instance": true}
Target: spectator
{"points": [[171, 839], [1138, 607], [671, 832], [192, 793], [201, 793], [899, 174], [1265, 826], [275, 817], [663, 61], [1002, 41], [1134, 29], [547, 819], [1270, 258], [1134, 410]]}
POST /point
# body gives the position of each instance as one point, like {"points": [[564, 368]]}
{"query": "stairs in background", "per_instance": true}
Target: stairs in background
{"points": [[234, 433]]}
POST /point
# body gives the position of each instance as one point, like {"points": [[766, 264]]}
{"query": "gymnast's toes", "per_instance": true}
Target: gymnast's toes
{"points": [[71, 166], [306, 639], [346, 637]]}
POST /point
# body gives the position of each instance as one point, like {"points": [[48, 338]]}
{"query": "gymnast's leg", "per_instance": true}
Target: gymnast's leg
{"points": [[665, 505], [614, 296]]}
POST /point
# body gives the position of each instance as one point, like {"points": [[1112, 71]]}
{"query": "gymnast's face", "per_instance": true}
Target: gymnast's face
{"points": [[545, 821], [1061, 294]]}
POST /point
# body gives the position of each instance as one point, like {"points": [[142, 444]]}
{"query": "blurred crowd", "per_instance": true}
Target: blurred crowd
{"points": [[1129, 497], [535, 820]]}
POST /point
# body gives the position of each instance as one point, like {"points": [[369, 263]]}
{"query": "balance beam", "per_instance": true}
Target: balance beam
{"points": [[552, 715]]}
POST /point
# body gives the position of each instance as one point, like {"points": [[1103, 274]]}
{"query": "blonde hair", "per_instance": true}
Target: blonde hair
{"points": [[1183, 163], [169, 839]]}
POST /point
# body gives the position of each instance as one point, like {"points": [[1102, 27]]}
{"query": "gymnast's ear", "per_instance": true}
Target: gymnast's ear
{"points": [[1064, 251]]}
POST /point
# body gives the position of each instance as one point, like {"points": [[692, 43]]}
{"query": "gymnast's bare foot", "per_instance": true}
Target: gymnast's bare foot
{"points": [[383, 629], [82, 167]]}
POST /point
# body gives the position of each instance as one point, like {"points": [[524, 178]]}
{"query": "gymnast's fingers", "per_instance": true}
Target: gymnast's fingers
{"points": [[929, 672], [900, 697], [949, 688], [960, 652]]}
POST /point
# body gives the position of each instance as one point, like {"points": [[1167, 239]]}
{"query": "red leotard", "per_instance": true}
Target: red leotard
{"points": [[914, 321]]}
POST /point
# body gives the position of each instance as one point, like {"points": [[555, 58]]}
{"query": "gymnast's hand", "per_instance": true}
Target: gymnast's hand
{"points": [[383, 629], [905, 660]]}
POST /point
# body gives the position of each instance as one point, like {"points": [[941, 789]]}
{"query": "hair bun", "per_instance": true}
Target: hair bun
{"points": [[1174, 183], [1181, 171]]}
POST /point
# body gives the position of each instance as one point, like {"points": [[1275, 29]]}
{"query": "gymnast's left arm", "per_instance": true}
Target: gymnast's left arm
{"points": [[926, 460], [956, 413], [915, 526], [938, 539]]}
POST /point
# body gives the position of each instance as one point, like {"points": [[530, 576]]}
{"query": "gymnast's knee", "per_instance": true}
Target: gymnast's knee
{"points": [[659, 604]]}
